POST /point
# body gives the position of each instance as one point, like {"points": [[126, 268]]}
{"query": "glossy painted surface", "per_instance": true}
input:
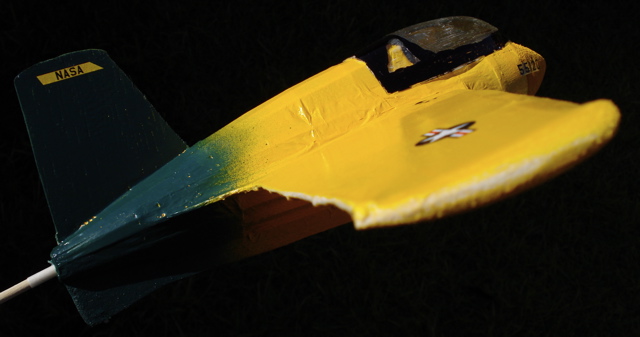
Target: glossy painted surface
{"points": [[340, 139]]}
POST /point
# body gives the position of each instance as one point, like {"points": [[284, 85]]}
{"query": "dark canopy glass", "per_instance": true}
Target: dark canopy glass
{"points": [[429, 49]]}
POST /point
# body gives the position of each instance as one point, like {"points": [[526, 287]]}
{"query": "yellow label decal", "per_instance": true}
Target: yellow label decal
{"points": [[66, 73]]}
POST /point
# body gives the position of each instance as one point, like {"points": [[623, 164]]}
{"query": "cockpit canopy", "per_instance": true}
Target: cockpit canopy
{"points": [[429, 49]]}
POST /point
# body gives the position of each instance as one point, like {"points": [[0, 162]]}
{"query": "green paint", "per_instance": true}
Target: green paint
{"points": [[189, 181]]}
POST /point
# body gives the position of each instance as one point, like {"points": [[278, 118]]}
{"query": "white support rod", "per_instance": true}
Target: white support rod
{"points": [[30, 283]]}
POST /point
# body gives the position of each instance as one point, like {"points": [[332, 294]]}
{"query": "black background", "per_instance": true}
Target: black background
{"points": [[559, 260]]}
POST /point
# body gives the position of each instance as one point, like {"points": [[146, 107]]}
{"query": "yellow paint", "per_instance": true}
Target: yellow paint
{"points": [[339, 138], [397, 58], [67, 73], [377, 174]]}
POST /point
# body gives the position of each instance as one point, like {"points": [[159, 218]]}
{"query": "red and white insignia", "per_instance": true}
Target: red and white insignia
{"points": [[454, 131]]}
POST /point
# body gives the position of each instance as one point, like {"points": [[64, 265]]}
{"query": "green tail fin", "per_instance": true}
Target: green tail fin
{"points": [[93, 134]]}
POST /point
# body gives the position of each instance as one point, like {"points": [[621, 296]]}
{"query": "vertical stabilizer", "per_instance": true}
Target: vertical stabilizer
{"points": [[93, 134]]}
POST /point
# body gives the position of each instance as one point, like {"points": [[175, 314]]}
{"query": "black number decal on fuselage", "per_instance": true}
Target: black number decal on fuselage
{"points": [[528, 67]]}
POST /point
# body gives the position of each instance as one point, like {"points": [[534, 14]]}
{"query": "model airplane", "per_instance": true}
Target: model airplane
{"points": [[432, 120]]}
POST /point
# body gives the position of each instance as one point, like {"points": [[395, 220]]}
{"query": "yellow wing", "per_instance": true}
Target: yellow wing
{"points": [[446, 145], [383, 173]]}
